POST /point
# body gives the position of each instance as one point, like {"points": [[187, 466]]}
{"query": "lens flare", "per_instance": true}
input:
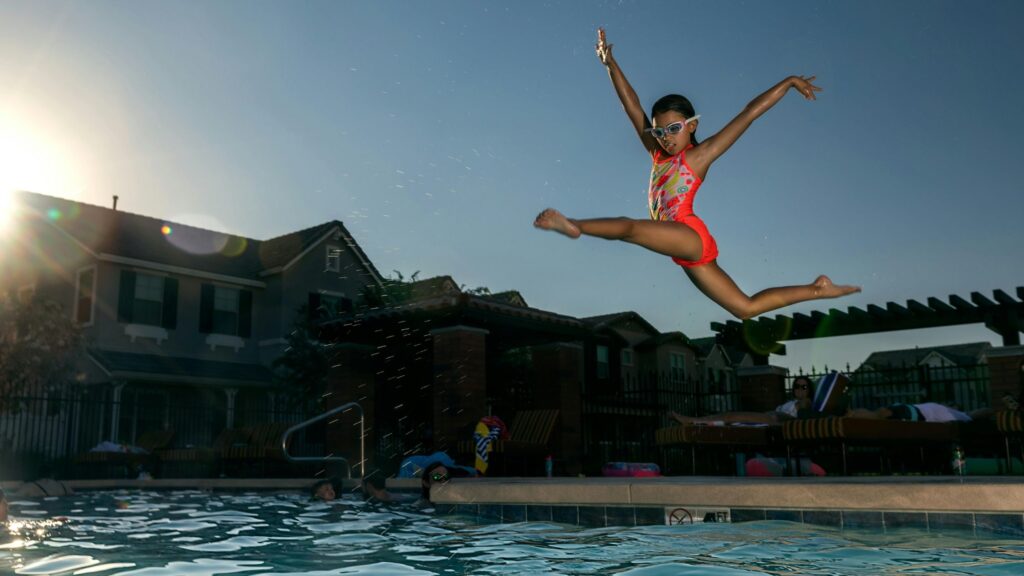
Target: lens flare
{"points": [[166, 230]]}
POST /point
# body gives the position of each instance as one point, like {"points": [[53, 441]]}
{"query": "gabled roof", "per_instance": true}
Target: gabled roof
{"points": [[511, 297], [607, 320], [124, 234], [960, 354], [432, 287], [708, 344], [666, 338]]}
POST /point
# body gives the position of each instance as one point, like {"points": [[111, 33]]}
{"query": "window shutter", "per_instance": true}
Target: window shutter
{"points": [[206, 308], [170, 314], [126, 296], [314, 306], [244, 313]]}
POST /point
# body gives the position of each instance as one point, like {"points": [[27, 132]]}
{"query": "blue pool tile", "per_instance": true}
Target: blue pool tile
{"points": [[490, 512], [617, 516], [565, 515], [917, 520], [956, 521], [746, 514], [513, 513], [787, 515], [1011, 525], [823, 518], [592, 516], [650, 516], [538, 513], [862, 519], [467, 509]]}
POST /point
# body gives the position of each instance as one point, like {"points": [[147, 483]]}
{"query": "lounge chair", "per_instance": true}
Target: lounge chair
{"points": [[124, 464], [733, 438], [801, 434], [201, 461], [529, 440], [260, 455]]}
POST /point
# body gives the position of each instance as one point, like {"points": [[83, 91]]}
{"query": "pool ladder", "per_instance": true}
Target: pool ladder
{"points": [[324, 416]]}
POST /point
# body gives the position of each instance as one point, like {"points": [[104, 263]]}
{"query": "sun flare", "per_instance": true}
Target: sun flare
{"points": [[29, 160]]}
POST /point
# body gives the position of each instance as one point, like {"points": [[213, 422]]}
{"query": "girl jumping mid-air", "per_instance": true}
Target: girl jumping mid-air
{"points": [[680, 165]]}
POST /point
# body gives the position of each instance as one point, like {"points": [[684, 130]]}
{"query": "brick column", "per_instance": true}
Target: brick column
{"points": [[559, 371], [1005, 373], [350, 380], [762, 388], [460, 384]]}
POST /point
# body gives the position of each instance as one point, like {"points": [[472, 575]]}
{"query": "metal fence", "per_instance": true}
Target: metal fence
{"points": [[963, 387], [619, 419], [43, 431]]}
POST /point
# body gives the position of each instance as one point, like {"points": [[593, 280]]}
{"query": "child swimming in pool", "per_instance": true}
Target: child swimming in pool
{"points": [[680, 166]]}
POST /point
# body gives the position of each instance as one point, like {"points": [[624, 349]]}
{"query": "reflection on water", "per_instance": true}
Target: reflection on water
{"points": [[200, 534]]}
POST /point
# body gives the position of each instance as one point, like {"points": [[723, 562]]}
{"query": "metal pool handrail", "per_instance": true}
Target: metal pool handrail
{"points": [[324, 416]]}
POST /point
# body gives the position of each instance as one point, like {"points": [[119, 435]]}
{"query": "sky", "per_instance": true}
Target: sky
{"points": [[436, 131]]}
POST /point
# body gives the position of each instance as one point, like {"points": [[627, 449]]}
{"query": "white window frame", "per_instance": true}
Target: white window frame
{"points": [[672, 356], [160, 297], [333, 255], [604, 369], [92, 295], [220, 297]]}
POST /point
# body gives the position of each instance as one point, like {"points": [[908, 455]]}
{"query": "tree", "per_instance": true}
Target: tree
{"points": [[39, 348], [303, 367]]}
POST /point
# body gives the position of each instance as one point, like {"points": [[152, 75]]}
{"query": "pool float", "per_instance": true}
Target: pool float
{"points": [[631, 469]]}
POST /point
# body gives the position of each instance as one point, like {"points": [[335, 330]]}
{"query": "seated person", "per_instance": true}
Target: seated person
{"points": [[803, 392], [924, 412]]}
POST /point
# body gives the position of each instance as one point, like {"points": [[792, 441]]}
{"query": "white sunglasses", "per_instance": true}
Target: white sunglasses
{"points": [[673, 128]]}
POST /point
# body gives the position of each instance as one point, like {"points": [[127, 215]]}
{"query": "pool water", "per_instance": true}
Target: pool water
{"points": [[191, 533]]}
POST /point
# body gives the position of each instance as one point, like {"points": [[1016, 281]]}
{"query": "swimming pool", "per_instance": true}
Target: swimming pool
{"points": [[193, 533]]}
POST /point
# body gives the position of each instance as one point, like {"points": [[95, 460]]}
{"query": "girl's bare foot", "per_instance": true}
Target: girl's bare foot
{"points": [[824, 288], [552, 219], [680, 418]]}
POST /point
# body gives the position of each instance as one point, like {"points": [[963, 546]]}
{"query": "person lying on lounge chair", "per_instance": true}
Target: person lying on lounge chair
{"points": [[803, 392], [924, 412]]}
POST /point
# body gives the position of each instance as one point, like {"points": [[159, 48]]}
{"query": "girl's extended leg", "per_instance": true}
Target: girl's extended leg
{"points": [[728, 417], [717, 285], [664, 237]]}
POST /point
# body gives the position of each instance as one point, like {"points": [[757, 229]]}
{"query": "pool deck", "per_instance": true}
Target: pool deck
{"points": [[994, 494]]}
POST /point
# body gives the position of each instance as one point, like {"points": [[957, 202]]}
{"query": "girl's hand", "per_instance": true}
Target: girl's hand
{"points": [[603, 48], [804, 86]]}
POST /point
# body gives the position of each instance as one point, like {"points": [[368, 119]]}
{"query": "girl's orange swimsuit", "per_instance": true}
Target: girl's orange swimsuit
{"points": [[670, 197]]}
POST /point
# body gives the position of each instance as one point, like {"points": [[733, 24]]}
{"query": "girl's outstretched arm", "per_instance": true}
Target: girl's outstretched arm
{"points": [[701, 157], [627, 95]]}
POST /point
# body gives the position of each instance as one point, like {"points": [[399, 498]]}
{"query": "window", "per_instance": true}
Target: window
{"points": [[225, 310], [146, 299], [677, 367], [324, 306], [627, 357], [333, 259], [149, 300], [603, 368], [332, 306], [84, 295]]}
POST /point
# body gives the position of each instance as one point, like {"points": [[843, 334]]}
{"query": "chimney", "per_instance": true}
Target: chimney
{"points": [[115, 201]]}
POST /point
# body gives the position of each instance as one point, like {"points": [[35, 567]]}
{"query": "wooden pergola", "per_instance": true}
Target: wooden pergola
{"points": [[764, 335]]}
